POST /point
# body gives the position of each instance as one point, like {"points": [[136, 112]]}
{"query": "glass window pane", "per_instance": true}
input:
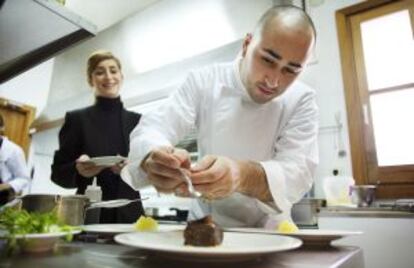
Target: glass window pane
{"points": [[392, 115], [388, 50]]}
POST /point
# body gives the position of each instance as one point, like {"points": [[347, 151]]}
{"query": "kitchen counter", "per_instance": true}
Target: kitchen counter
{"points": [[88, 255], [376, 212], [387, 239]]}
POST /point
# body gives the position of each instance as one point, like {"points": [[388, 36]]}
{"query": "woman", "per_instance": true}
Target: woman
{"points": [[99, 130]]}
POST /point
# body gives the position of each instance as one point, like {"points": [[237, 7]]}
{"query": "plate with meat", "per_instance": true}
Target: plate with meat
{"points": [[205, 243]]}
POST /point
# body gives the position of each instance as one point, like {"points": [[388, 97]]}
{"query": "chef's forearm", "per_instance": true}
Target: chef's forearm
{"points": [[253, 181]]}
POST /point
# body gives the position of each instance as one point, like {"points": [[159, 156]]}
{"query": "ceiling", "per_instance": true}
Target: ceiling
{"points": [[105, 13]]}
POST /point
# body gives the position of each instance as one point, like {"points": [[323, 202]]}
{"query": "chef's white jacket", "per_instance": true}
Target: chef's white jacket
{"points": [[281, 135], [13, 168]]}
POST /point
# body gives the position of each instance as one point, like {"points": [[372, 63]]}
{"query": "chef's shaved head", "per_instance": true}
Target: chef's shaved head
{"points": [[288, 16], [276, 52]]}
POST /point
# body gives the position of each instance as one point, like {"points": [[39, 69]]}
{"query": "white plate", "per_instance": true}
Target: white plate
{"points": [[37, 243], [235, 246], [308, 236], [106, 160], [118, 228], [4, 234], [47, 235]]}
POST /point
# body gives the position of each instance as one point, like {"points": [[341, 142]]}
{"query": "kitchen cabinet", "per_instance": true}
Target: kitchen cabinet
{"points": [[387, 239], [17, 120]]}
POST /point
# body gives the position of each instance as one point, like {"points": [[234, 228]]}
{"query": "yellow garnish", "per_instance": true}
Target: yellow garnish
{"points": [[146, 224], [287, 227]]}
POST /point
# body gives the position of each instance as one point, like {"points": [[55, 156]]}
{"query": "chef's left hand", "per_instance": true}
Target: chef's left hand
{"points": [[216, 176], [5, 187]]}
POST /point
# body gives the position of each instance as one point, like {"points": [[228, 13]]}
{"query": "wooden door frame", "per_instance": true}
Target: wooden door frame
{"points": [[362, 152]]}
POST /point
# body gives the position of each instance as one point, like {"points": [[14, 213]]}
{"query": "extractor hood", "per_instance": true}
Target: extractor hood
{"points": [[32, 31]]}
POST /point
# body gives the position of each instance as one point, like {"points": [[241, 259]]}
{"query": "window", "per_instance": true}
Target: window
{"points": [[377, 52]]}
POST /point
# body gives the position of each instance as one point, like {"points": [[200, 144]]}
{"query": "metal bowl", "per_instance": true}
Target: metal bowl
{"points": [[305, 212], [363, 195]]}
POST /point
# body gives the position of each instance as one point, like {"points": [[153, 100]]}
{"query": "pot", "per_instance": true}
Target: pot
{"points": [[363, 195], [305, 212], [71, 209]]}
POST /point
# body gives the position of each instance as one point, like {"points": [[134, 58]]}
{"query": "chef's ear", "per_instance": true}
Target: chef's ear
{"points": [[246, 42]]}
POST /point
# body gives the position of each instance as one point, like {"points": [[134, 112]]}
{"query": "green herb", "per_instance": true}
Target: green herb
{"points": [[20, 222]]}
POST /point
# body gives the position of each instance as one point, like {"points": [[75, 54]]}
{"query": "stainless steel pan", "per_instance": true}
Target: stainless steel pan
{"points": [[71, 209]]}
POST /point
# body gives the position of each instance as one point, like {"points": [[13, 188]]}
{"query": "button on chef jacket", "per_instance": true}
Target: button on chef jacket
{"points": [[281, 135]]}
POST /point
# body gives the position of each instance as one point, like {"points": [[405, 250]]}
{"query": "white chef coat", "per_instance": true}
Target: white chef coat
{"points": [[281, 135], [13, 168]]}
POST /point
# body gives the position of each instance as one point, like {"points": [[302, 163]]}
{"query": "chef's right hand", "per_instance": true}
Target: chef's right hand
{"points": [[162, 167], [87, 169]]}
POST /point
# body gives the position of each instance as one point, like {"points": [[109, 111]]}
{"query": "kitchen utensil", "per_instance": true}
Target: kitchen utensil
{"points": [[115, 203], [71, 209], [190, 187], [363, 195], [305, 212]]}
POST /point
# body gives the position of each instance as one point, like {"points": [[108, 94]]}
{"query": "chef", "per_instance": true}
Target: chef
{"points": [[14, 173], [256, 124]]}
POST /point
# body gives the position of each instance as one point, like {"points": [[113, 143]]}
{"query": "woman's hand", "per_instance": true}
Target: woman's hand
{"points": [[118, 167], [87, 169]]}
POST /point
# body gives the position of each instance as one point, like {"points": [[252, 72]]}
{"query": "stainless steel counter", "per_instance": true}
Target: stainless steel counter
{"points": [[375, 212], [92, 255]]}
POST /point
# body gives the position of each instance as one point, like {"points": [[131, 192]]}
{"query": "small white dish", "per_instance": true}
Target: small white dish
{"points": [[36, 243], [235, 246], [106, 160]]}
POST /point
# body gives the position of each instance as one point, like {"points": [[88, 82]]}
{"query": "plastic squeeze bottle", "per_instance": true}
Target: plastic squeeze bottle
{"points": [[94, 193]]}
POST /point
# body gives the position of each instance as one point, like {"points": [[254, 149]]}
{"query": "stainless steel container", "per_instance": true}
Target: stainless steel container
{"points": [[363, 195], [71, 209], [305, 212]]}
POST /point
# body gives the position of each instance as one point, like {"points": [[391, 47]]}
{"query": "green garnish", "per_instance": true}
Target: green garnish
{"points": [[20, 222]]}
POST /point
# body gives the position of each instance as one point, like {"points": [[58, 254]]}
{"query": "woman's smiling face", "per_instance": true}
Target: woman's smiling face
{"points": [[106, 79]]}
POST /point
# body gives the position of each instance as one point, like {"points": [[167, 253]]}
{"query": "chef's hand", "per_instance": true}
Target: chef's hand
{"points": [[87, 169], [7, 193], [162, 167], [5, 187], [216, 176]]}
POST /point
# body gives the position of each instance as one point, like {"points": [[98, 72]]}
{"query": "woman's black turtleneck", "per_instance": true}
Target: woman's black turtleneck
{"points": [[109, 114], [109, 122]]}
